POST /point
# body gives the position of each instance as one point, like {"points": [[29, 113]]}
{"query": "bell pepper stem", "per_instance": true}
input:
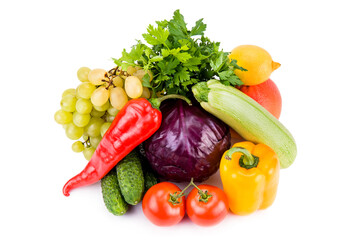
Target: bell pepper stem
{"points": [[247, 160], [157, 101]]}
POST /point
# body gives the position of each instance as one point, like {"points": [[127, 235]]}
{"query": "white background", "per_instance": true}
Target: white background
{"points": [[42, 45]]}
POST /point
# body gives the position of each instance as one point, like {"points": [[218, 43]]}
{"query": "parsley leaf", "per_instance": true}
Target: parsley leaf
{"points": [[146, 81], [235, 65], [168, 67], [218, 63], [181, 76], [177, 26], [156, 36], [179, 58], [199, 28]]}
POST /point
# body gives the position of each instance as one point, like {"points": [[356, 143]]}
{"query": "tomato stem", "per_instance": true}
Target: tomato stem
{"points": [[176, 196], [204, 194]]}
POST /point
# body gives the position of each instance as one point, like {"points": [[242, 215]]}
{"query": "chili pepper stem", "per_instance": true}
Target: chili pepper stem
{"points": [[157, 101]]}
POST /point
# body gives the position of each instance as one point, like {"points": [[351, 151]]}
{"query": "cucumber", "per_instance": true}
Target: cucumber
{"points": [[112, 197], [131, 178], [247, 118], [150, 179]]}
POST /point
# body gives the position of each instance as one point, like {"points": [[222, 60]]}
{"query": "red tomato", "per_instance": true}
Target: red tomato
{"points": [[157, 207], [267, 95], [209, 212]]}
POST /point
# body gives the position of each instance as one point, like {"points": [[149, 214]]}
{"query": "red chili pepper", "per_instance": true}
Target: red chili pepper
{"points": [[134, 123]]}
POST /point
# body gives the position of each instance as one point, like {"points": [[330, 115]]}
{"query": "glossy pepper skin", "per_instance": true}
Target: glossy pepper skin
{"points": [[134, 123], [250, 175]]}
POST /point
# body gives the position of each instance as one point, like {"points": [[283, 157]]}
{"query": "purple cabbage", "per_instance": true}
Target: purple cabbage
{"points": [[189, 143]]}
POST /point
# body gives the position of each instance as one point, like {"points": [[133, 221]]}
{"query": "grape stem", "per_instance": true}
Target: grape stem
{"points": [[86, 143], [112, 73]]}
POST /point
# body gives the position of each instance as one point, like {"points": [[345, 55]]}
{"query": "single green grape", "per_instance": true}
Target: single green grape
{"points": [[77, 146], [104, 128], [94, 141], [83, 106], [118, 81], [85, 137], [81, 120], [93, 127], [85, 90], [96, 76], [100, 96], [68, 103], [63, 117], [74, 132], [83, 74], [96, 113], [88, 152], [109, 118], [112, 111], [103, 107], [70, 91]]}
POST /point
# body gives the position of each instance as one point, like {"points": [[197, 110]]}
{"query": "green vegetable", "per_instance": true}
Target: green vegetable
{"points": [[112, 197], [150, 179], [247, 118], [178, 57], [130, 178]]}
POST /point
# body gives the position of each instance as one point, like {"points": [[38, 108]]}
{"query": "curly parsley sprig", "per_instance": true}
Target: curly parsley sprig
{"points": [[178, 57]]}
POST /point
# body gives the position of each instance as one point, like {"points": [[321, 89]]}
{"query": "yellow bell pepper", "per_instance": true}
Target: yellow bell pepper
{"points": [[249, 175]]}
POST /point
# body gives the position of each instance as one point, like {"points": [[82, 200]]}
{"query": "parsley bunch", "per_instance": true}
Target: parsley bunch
{"points": [[179, 58]]}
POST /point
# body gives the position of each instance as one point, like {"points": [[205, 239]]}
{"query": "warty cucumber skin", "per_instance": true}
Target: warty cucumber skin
{"points": [[131, 178], [249, 119], [112, 196], [149, 179]]}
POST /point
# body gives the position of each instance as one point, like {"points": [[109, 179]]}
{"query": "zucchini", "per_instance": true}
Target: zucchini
{"points": [[247, 118]]}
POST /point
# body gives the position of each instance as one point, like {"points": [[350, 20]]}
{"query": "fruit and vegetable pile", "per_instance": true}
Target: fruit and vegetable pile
{"points": [[166, 113]]}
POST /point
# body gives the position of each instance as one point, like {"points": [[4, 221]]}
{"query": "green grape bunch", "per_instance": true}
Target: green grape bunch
{"points": [[87, 111], [84, 121]]}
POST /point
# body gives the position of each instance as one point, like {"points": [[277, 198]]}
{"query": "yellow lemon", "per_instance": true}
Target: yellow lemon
{"points": [[256, 60]]}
